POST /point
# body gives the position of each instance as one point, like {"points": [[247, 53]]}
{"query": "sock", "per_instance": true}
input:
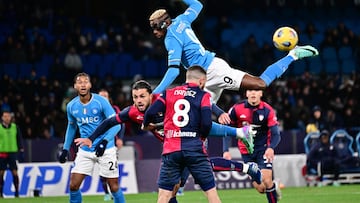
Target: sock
{"points": [[219, 130], [221, 164], [75, 196], [276, 69], [1, 186], [271, 194], [173, 200], [16, 185], [118, 196]]}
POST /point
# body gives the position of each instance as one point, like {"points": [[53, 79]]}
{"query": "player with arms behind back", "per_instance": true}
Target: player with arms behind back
{"points": [[85, 112]]}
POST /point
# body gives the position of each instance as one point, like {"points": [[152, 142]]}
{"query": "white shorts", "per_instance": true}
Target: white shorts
{"points": [[85, 161], [221, 76]]}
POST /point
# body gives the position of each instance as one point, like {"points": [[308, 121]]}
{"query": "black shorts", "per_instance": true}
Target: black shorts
{"points": [[9, 162]]}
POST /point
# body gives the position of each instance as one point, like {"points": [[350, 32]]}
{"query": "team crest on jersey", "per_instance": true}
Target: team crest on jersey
{"points": [[94, 111], [261, 117]]}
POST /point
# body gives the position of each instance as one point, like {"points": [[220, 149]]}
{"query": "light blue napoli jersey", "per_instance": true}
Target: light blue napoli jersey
{"points": [[87, 117], [181, 42]]}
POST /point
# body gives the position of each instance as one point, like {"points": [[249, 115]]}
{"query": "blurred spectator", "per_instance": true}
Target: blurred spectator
{"points": [[46, 129], [251, 50], [300, 114], [17, 54], [311, 31], [5, 105], [316, 123], [323, 157], [267, 55], [72, 63]]}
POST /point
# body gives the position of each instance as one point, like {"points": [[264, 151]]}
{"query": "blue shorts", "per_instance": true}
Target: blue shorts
{"points": [[258, 157], [173, 165], [184, 176], [9, 162]]}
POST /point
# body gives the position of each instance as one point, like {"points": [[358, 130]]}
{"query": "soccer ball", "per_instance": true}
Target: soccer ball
{"points": [[285, 38]]}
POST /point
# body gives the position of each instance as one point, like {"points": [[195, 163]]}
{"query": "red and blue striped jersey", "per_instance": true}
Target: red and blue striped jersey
{"points": [[132, 115], [187, 117], [262, 115]]}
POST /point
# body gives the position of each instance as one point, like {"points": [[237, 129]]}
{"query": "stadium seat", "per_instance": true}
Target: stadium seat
{"points": [[41, 69], [163, 67], [136, 67], [107, 65], [47, 59], [151, 69], [345, 52], [315, 65], [342, 141], [310, 140], [121, 68], [25, 70], [328, 53], [226, 36], [357, 140], [120, 71], [331, 66], [11, 70], [348, 66], [91, 63], [299, 67]]}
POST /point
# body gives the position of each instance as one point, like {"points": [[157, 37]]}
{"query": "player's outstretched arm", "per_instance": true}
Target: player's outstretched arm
{"points": [[167, 80], [103, 127]]}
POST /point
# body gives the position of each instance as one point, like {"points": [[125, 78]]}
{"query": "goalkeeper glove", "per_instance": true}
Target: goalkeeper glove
{"points": [[63, 156], [100, 148]]}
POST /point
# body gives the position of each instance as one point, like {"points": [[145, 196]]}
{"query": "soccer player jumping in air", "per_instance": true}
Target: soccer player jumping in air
{"points": [[184, 48]]}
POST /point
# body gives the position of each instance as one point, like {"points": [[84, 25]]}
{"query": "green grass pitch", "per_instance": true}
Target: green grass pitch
{"points": [[328, 194]]}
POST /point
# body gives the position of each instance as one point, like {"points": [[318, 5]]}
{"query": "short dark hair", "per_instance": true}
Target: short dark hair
{"points": [[195, 72], [142, 84], [80, 75]]}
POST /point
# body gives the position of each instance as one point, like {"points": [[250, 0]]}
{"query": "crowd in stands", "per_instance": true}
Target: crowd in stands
{"points": [[31, 32]]}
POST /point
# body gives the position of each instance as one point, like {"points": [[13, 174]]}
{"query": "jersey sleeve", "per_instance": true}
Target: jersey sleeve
{"points": [[109, 112], [169, 77], [152, 112], [192, 12], [272, 119], [232, 115], [103, 127], [206, 112], [70, 130]]}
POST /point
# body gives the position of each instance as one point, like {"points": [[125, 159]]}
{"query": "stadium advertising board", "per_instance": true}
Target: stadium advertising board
{"points": [[52, 179]]}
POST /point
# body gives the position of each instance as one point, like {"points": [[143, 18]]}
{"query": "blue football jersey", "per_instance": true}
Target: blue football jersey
{"points": [[87, 117], [182, 44]]}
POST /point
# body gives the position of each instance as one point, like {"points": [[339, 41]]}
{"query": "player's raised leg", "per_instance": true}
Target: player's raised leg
{"points": [[276, 69], [252, 169]]}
